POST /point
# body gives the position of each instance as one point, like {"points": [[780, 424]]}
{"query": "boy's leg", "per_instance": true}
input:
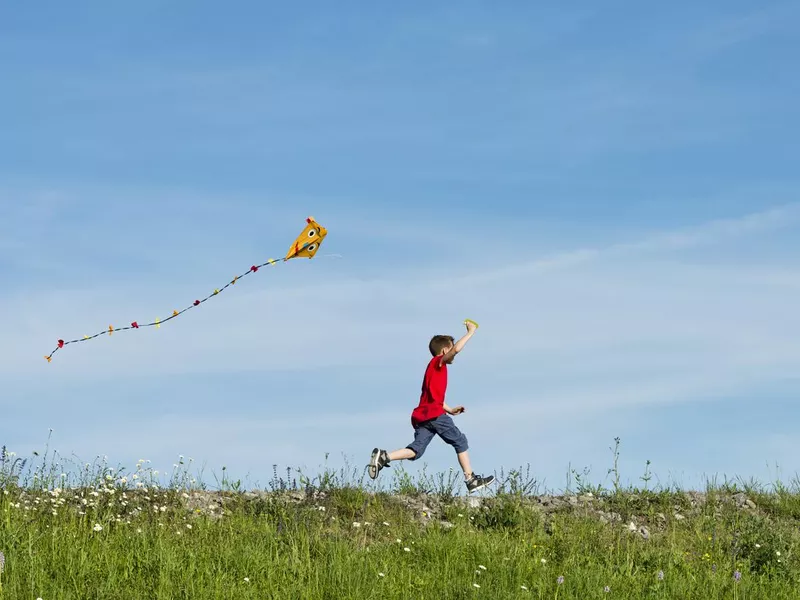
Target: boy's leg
{"points": [[451, 434], [463, 460], [380, 458]]}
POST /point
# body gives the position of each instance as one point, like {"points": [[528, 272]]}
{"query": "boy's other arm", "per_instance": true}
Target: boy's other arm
{"points": [[453, 411], [459, 345]]}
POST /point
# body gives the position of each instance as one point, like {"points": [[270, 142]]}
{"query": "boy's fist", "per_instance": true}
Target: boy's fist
{"points": [[471, 325], [457, 410]]}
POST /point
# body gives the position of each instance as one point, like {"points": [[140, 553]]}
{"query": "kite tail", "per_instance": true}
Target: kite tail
{"points": [[175, 313]]}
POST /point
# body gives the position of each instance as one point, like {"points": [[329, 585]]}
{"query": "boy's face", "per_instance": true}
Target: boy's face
{"points": [[450, 360]]}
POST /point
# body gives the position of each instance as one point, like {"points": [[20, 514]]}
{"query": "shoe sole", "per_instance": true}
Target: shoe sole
{"points": [[480, 487], [373, 464]]}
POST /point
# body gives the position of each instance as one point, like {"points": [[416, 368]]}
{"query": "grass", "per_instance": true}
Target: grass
{"points": [[98, 532]]}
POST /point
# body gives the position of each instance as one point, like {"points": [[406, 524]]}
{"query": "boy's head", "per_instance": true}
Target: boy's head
{"points": [[441, 344]]}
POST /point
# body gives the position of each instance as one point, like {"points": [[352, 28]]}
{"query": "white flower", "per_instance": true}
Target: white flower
{"points": [[407, 549], [385, 523], [524, 588], [475, 585], [481, 567], [544, 561], [381, 574], [247, 580], [356, 524], [188, 526], [97, 527], [777, 554]]}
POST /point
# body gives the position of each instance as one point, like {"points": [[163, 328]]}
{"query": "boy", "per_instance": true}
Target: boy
{"points": [[431, 416]]}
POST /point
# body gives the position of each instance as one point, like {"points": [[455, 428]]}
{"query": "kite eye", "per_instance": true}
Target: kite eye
{"points": [[311, 248], [312, 233]]}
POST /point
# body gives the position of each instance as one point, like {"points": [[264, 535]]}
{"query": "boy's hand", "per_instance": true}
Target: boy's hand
{"points": [[471, 326], [457, 410]]}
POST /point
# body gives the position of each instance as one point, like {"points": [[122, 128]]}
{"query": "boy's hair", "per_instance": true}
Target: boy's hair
{"points": [[439, 342]]}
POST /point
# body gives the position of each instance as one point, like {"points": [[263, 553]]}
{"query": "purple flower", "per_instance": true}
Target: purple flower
{"points": [[714, 568], [2, 561], [660, 575], [560, 579], [737, 575]]}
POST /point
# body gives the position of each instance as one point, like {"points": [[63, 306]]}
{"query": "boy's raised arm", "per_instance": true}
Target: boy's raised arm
{"points": [[459, 345]]}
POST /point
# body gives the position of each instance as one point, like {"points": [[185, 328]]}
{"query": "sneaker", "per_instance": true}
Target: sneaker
{"points": [[476, 482], [379, 459]]}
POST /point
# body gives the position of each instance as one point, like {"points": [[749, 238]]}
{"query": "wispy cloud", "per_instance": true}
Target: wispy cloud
{"points": [[579, 301]]}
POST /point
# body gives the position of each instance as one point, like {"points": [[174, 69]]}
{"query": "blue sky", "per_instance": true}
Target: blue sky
{"points": [[610, 191]]}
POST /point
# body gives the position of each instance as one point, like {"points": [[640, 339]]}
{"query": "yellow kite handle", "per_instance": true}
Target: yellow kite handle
{"points": [[471, 321]]}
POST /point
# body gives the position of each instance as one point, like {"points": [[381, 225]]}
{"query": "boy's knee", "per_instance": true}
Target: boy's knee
{"points": [[417, 452], [461, 444]]}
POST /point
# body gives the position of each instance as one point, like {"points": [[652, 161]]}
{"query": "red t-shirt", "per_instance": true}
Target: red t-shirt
{"points": [[434, 385]]}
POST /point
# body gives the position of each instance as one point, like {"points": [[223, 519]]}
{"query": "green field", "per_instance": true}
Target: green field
{"points": [[101, 532]]}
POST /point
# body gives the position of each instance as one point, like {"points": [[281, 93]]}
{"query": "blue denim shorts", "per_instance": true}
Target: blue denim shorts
{"points": [[442, 426]]}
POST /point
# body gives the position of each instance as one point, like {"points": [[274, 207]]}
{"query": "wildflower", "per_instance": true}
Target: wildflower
{"points": [[777, 553], [660, 575], [97, 527], [188, 526], [714, 568], [524, 588], [407, 549], [544, 561], [385, 523], [2, 561], [737, 575], [381, 574], [475, 585], [560, 579], [247, 580], [356, 524], [481, 567], [606, 589]]}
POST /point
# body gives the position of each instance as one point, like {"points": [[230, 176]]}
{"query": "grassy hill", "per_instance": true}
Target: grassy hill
{"points": [[103, 533]]}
